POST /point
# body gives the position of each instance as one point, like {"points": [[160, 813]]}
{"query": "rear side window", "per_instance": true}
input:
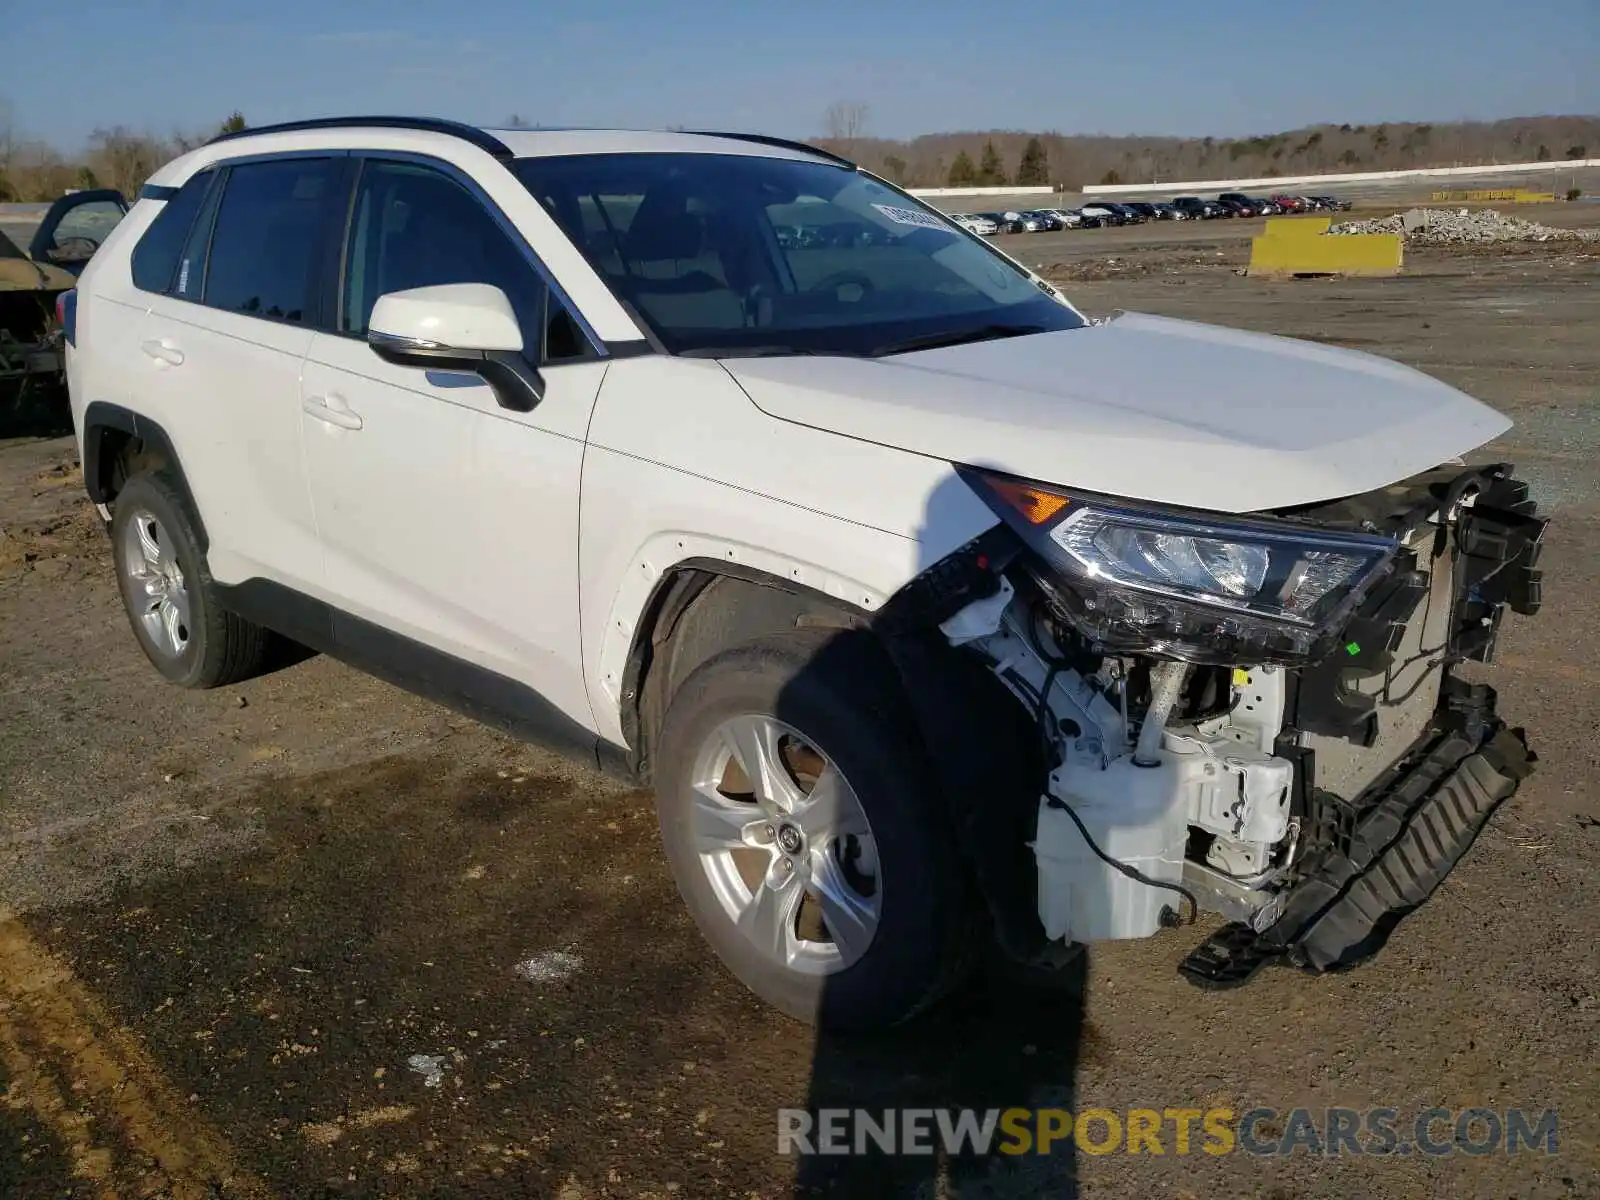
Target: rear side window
{"points": [[155, 258], [190, 283], [264, 243]]}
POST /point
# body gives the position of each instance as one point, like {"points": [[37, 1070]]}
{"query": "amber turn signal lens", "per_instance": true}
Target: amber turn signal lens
{"points": [[1034, 503]]}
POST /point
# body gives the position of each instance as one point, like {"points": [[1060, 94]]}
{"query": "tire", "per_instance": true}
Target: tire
{"points": [[169, 595], [835, 692]]}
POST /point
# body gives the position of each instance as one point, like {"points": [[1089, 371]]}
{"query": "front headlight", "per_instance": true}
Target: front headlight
{"points": [[1195, 586]]}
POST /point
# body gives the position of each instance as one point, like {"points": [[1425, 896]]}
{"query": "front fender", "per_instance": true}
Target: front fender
{"points": [[865, 567]]}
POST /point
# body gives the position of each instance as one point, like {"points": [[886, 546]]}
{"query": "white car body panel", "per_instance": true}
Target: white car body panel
{"points": [[227, 392], [237, 389], [449, 519], [681, 466], [452, 314], [1146, 408], [110, 309]]}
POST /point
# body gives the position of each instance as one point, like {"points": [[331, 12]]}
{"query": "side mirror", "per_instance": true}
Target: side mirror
{"points": [[468, 327]]}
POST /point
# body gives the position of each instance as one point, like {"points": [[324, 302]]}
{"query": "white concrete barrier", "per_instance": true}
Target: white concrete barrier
{"points": [[984, 191], [1182, 186]]}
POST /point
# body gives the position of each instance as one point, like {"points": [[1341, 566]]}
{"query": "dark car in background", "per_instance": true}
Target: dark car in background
{"points": [[1246, 206], [1106, 214], [1093, 214], [1125, 214], [1196, 208]]}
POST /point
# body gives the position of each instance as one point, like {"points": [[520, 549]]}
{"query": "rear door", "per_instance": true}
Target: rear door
{"points": [[221, 351], [446, 519]]}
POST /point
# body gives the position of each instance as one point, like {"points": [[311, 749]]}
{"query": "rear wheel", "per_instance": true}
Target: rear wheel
{"points": [[169, 595], [804, 835]]}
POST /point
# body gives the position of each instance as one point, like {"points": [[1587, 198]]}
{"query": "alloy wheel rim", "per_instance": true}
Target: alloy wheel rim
{"points": [[157, 589], [785, 845]]}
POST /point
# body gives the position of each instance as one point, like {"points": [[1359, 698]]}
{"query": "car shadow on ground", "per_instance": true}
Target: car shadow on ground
{"points": [[30, 409], [1001, 1043], [1010, 1039]]}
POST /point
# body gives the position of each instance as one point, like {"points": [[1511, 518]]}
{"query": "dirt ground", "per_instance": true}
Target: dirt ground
{"points": [[310, 936]]}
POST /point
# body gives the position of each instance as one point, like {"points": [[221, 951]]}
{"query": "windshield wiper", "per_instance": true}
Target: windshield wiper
{"points": [[932, 341]]}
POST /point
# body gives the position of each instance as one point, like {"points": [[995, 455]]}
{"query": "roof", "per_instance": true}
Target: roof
{"points": [[431, 134], [539, 143], [527, 143]]}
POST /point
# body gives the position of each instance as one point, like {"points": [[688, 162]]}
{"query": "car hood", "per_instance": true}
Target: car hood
{"points": [[25, 275], [1144, 407]]}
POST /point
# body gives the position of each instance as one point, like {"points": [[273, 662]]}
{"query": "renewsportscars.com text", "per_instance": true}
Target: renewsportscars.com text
{"points": [[1166, 1131]]}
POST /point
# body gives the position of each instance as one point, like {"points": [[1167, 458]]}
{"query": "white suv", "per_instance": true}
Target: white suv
{"points": [[932, 610]]}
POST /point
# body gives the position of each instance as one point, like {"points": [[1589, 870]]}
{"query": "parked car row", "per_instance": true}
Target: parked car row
{"points": [[1237, 204], [1093, 214]]}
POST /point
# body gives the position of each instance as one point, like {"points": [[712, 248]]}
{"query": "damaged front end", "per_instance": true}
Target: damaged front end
{"points": [[1259, 716]]}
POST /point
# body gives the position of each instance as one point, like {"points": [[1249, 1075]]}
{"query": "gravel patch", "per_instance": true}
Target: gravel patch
{"points": [[1461, 226]]}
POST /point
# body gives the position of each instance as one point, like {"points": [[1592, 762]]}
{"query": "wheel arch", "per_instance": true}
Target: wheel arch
{"points": [[983, 744], [696, 608], [116, 439]]}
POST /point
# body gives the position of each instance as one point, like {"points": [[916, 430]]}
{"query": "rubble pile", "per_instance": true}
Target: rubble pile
{"points": [[1461, 227]]}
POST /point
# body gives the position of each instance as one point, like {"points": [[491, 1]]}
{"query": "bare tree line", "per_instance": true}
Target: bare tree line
{"points": [[33, 170], [1076, 161], [116, 157]]}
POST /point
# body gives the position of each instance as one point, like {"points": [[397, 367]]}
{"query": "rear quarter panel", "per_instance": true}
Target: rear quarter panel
{"points": [[101, 363]]}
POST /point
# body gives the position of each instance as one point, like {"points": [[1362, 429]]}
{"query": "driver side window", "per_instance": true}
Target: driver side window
{"points": [[412, 226]]}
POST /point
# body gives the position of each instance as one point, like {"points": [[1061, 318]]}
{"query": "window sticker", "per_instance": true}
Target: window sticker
{"points": [[183, 278], [910, 216]]}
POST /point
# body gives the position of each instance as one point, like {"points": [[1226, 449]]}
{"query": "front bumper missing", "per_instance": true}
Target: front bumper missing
{"points": [[1372, 859], [1365, 846], [1414, 826]]}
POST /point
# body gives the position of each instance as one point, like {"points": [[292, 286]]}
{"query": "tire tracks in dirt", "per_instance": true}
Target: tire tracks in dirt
{"points": [[122, 1126]]}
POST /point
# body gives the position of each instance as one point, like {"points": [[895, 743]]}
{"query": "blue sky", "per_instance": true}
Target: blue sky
{"points": [[1116, 66]]}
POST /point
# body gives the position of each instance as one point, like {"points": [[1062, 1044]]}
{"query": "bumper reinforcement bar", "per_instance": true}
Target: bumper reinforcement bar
{"points": [[1408, 838]]}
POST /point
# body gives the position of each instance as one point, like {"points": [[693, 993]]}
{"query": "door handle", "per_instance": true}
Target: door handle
{"points": [[331, 411], [162, 351]]}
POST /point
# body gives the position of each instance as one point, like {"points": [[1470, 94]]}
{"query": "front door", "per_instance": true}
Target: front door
{"points": [[446, 519]]}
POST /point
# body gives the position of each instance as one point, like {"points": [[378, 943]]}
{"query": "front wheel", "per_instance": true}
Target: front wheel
{"points": [[804, 833]]}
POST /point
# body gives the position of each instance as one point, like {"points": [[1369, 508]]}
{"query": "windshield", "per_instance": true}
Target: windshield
{"points": [[740, 254]]}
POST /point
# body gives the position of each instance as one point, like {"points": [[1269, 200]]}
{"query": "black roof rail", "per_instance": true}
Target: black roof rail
{"points": [[782, 143], [467, 133]]}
